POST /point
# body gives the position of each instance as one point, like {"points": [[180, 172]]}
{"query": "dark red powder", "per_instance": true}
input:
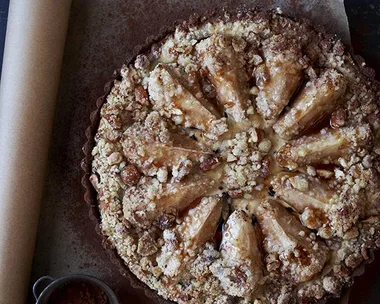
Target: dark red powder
{"points": [[78, 292]]}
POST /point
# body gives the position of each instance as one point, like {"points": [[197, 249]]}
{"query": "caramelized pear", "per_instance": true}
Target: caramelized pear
{"points": [[225, 70], [144, 203], [317, 99], [172, 99], [184, 241], [300, 257], [326, 147], [279, 77], [240, 267], [150, 145]]}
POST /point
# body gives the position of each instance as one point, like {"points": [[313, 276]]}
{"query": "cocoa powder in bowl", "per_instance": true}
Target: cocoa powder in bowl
{"points": [[78, 292]]}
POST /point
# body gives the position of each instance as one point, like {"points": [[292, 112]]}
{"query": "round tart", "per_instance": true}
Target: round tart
{"points": [[237, 161]]}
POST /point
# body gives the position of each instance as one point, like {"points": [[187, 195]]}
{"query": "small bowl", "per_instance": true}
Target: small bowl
{"points": [[44, 287]]}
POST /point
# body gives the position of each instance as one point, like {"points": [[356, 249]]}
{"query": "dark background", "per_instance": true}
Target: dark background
{"points": [[63, 212]]}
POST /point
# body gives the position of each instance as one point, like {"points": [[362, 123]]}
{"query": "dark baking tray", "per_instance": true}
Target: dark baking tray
{"points": [[97, 45]]}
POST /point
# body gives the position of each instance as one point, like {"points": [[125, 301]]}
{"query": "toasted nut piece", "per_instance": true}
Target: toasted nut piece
{"points": [[241, 256], [301, 258], [173, 100], [209, 163], [141, 95], [151, 145], [325, 147], [279, 77], [318, 99], [130, 175], [338, 118], [226, 73], [198, 226], [147, 245], [146, 202]]}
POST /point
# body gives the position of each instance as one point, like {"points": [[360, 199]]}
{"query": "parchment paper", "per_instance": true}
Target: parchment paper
{"points": [[30, 78], [32, 60]]}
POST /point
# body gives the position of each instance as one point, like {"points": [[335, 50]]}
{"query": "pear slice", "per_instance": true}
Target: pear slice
{"points": [[326, 147], [318, 99], [144, 203], [184, 241], [279, 77], [240, 267], [151, 145], [300, 257], [307, 195], [301, 191], [174, 100], [226, 72]]}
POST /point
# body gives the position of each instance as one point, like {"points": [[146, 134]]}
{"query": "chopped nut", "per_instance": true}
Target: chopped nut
{"points": [[236, 193], [265, 145], [254, 91], [166, 221], [311, 171], [338, 118], [181, 170], [115, 158], [325, 173], [353, 260], [209, 163], [130, 175], [147, 245], [162, 175], [94, 181], [141, 62], [141, 95], [299, 182], [351, 234], [113, 135]]}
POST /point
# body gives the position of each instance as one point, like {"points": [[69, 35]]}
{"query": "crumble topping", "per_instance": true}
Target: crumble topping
{"points": [[238, 161]]}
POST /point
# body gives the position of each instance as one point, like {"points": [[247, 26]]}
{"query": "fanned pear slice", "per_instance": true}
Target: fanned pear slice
{"points": [[172, 99], [307, 195], [226, 72], [240, 267], [301, 191], [144, 203], [285, 239], [318, 99], [326, 147], [151, 145], [278, 77], [198, 227]]}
